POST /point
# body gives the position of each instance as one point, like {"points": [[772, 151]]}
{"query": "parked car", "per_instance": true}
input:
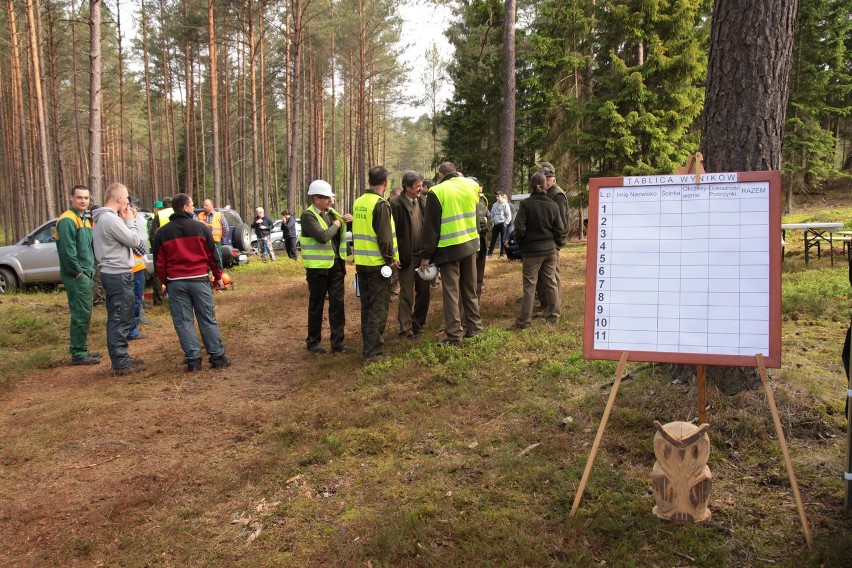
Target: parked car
{"points": [[276, 235], [34, 260], [237, 242]]}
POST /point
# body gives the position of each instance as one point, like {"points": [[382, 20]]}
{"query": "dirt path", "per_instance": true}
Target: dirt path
{"points": [[87, 456]]}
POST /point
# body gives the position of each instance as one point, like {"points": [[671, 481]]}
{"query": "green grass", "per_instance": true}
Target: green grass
{"points": [[817, 293]]}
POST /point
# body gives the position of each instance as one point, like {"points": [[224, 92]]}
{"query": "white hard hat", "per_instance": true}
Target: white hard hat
{"points": [[430, 272], [320, 187]]}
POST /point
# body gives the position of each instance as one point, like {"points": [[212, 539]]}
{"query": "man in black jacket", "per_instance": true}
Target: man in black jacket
{"points": [[262, 226], [414, 292]]}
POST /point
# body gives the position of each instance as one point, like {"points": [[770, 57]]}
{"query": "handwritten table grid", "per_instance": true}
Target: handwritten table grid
{"points": [[683, 269]]}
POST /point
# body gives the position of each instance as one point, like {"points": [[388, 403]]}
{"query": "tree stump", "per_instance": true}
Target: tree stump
{"points": [[680, 479]]}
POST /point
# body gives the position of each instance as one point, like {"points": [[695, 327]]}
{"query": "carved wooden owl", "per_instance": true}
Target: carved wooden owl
{"points": [[681, 479]]}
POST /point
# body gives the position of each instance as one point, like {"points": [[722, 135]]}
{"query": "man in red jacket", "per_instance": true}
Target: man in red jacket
{"points": [[184, 255]]}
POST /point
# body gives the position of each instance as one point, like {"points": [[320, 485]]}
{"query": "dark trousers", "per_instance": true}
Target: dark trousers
{"points": [[322, 282], [414, 299], [119, 303], [290, 246], [375, 303], [497, 235]]}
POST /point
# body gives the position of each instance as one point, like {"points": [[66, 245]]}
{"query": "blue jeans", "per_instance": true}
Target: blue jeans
{"points": [[138, 291], [119, 303], [190, 299]]}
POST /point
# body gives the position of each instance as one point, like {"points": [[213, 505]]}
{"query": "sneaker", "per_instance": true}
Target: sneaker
{"points": [[341, 349], [193, 366], [129, 370], [219, 362], [138, 336], [85, 360], [316, 349]]}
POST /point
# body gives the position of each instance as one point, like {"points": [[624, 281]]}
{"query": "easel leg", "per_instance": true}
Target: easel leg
{"points": [[781, 440], [622, 363], [701, 380]]}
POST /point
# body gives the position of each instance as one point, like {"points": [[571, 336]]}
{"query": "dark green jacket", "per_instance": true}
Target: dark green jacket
{"points": [[74, 245], [538, 226]]}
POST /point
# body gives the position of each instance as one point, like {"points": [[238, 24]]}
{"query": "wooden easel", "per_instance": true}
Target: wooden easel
{"points": [[702, 393]]}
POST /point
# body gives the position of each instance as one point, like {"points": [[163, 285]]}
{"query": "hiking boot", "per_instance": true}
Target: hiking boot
{"points": [[517, 326], [341, 349], [193, 366], [129, 370], [316, 349], [136, 360], [85, 360], [95, 354], [219, 362]]}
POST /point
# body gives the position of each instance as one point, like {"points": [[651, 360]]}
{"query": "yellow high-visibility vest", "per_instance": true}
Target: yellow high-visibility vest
{"points": [[364, 238]]}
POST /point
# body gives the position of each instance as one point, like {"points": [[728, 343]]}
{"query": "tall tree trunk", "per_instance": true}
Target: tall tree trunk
{"points": [[294, 87], [751, 48], [81, 155], [152, 162], [360, 122], [121, 163], [255, 136], [189, 110], [214, 104], [96, 176], [264, 130], [53, 97], [36, 81], [507, 117], [332, 146]]}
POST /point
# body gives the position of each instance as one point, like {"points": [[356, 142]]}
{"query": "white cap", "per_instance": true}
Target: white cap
{"points": [[320, 187]]}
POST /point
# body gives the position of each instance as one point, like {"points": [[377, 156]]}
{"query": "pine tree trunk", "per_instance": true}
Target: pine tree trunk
{"points": [[81, 155], [36, 81], [751, 47], [294, 86], [122, 171], [507, 118], [214, 105], [152, 163], [53, 97]]}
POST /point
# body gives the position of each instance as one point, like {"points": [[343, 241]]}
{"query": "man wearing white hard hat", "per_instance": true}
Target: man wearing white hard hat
{"points": [[324, 259], [376, 257]]}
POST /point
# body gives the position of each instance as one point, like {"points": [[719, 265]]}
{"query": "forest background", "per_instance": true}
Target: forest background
{"points": [[247, 101]]}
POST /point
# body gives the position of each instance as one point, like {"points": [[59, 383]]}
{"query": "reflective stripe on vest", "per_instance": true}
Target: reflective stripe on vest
{"points": [[364, 238], [164, 215], [321, 255], [216, 224], [458, 198]]}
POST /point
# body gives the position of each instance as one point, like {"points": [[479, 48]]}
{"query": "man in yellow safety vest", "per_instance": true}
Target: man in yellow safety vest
{"points": [[451, 240], [324, 259], [217, 222], [376, 257]]}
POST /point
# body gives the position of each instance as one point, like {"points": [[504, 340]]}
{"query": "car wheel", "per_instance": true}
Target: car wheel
{"points": [[278, 244], [242, 237], [8, 281]]}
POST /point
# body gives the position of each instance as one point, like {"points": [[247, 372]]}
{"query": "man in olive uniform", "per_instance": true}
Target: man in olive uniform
{"points": [[77, 270], [323, 256], [451, 240], [376, 256], [558, 195]]}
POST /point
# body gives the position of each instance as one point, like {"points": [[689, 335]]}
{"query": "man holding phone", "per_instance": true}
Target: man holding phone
{"points": [[115, 235]]}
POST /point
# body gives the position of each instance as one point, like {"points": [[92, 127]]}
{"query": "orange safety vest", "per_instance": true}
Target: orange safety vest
{"points": [[216, 226], [140, 263]]}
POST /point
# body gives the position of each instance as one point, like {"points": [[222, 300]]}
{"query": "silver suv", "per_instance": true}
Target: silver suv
{"points": [[34, 260]]}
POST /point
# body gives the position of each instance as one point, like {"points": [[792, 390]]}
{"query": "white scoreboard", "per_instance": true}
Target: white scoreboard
{"points": [[685, 270]]}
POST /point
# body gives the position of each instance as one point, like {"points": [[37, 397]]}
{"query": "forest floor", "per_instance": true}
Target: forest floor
{"points": [[438, 456]]}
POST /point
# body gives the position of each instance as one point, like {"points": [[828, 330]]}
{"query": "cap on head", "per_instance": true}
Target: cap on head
{"points": [[158, 204], [548, 170], [320, 187]]}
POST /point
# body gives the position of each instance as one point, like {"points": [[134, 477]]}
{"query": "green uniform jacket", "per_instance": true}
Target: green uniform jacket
{"points": [[74, 245]]}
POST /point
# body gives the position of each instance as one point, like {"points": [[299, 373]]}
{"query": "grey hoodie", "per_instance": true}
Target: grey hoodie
{"points": [[114, 241]]}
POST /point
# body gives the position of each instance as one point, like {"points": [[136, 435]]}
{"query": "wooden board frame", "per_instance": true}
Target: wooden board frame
{"points": [[773, 358]]}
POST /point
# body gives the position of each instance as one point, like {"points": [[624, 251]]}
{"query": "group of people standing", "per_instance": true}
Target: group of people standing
{"points": [[185, 253], [417, 229], [421, 228]]}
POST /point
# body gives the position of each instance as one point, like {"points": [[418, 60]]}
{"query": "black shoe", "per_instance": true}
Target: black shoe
{"points": [[85, 360], [340, 349], [193, 366], [316, 349], [95, 354], [129, 370], [517, 327], [219, 362]]}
